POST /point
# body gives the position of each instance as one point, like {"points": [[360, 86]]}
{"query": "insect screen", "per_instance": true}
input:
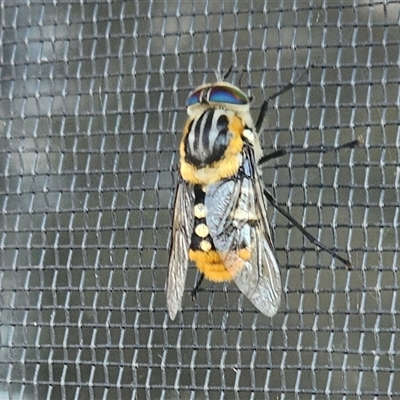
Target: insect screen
{"points": [[92, 108]]}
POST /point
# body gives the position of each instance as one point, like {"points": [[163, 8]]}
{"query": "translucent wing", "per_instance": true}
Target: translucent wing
{"points": [[237, 220], [181, 236]]}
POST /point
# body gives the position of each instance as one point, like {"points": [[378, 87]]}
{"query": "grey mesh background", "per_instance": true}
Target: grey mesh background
{"points": [[92, 107]]}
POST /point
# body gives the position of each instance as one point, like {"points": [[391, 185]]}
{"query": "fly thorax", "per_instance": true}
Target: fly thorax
{"points": [[208, 138]]}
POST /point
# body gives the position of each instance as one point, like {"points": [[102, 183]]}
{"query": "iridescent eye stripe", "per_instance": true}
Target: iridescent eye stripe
{"points": [[217, 94], [222, 94], [194, 98]]}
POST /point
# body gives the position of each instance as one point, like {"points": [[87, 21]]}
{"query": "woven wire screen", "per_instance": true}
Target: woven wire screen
{"points": [[92, 108]]}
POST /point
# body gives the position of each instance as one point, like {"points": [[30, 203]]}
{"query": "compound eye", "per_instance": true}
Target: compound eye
{"points": [[194, 97], [227, 95], [218, 94]]}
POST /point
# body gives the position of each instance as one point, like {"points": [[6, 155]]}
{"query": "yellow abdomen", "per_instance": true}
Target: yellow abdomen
{"points": [[210, 264]]}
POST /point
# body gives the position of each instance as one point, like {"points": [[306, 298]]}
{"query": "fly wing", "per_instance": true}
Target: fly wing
{"points": [[182, 229], [237, 220]]}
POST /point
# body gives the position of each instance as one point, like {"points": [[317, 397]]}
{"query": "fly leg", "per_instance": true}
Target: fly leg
{"points": [[314, 149], [196, 289]]}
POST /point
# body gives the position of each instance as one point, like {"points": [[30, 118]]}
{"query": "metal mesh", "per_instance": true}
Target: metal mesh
{"points": [[92, 107]]}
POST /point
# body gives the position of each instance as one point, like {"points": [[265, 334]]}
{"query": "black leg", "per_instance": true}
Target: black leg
{"points": [[265, 104], [268, 157], [308, 235], [196, 289], [261, 115], [315, 149], [282, 152]]}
